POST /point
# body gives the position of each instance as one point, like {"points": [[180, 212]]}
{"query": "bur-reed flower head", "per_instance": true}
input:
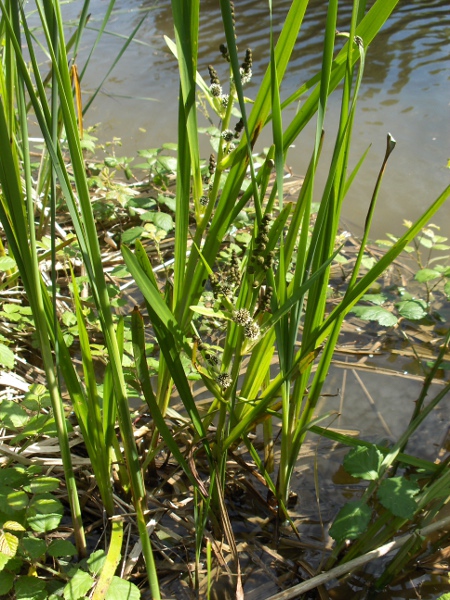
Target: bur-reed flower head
{"points": [[242, 316], [252, 331], [224, 380]]}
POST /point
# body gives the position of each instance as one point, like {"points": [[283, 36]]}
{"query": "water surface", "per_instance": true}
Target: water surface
{"points": [[406, 92]]}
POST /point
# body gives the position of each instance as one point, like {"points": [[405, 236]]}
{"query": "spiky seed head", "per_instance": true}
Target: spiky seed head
{"points": [[216, 90], [224, 380], [227, 135], [242, 316], [252, 331]]}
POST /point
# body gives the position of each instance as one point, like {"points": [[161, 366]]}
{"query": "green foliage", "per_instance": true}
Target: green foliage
{"points": [[28, 513], [351, 522], [364, 462], [397, 495]]}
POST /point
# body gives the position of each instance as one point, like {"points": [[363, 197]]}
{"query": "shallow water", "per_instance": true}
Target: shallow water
{"points": [[405, 92]]}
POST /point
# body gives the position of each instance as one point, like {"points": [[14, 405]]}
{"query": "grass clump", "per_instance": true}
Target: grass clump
{"points": [[249, 318]]}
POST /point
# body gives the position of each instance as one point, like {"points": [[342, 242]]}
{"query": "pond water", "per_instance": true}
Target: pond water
{"points": [[406, 92]]}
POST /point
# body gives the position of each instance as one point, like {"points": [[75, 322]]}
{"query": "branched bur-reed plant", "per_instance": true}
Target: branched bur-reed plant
{"points": [[272, 296], [274, 293]]}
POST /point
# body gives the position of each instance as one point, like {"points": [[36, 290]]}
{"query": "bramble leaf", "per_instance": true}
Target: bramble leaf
{"points": [[6, 356], [120, 589], [30, 588], [6, 583], [78, 586], [375, 313], [426, 275], [61, 548], [397, 495], [363, 462], [41, 485], [34, 547], [351, 521], [8, 543], [412, 309], [44, 513]]}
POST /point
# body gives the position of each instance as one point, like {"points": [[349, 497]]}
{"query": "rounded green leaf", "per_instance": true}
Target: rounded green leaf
{"points": [[426, 275], [412, 309], [34, 547], [351, 521], [96, 561], [163, 221], [397, 495], [12, 415], [6, 582], [375, 313], [61, 548], [132, 234], [17, 500], [13, 526], [8, 543], [40, 485], [120, 589], [7, 263], [6, 356], [78, 586], [44, 513], [30, 588], [364, 462]]}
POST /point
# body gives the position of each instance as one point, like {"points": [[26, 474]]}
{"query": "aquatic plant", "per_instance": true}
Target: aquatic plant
{"points": [[264, 298]]}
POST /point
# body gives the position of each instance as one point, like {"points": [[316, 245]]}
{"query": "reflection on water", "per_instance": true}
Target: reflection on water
{"points": [[406, 91]]}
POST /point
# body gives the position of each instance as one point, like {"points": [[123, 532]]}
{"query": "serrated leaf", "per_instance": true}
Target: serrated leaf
{"points": [[209, 312], [7, 263], [60, 548], [368, 262], [132, 234], [17, 500], [426, 275], [13, 526], [243, 238], [397, 495], [96, 561], [40, 485], [12, 415], [78, 586], [426, 242], [14, 477], [377, 299], [4, 559], [447, 288], [169, 163], [8, 543], [375, 313], [44, 513], [120, 589], [412, 309], [168, 201], [163, 221], [386, 243], [364, 462], [351, 521], [6, 582], [30, 588], [170, 146], [34, 547]]}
